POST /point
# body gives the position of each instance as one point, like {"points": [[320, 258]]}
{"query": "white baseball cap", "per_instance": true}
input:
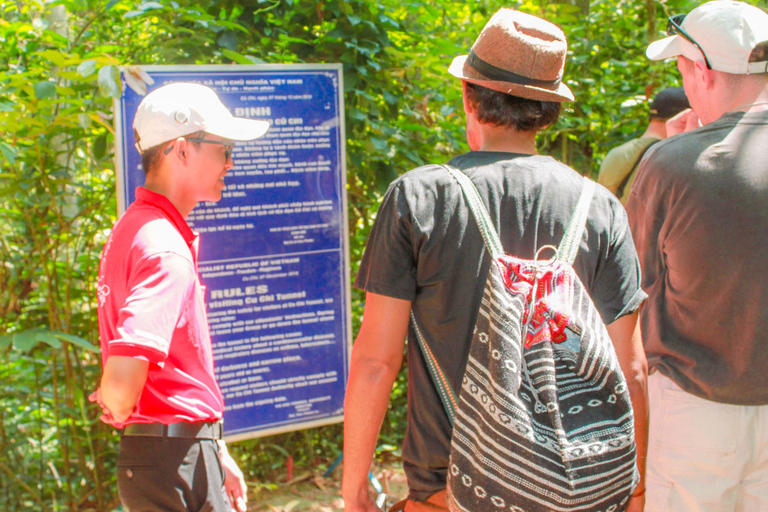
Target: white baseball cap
{"points": [[179, 109], [726, 33]]}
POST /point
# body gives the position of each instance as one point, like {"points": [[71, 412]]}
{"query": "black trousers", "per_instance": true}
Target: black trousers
{"points": [[170, 474]]}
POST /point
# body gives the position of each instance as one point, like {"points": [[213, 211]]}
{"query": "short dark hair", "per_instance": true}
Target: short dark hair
{"points": [[759, 52], [151, 157], [500, 109]]}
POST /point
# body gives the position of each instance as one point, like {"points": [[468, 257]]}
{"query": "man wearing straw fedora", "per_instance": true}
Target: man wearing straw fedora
{"points": [[425, 260], [699, 214]]}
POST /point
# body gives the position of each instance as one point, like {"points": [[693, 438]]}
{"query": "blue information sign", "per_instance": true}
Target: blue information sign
{"points": [[273, 253]]}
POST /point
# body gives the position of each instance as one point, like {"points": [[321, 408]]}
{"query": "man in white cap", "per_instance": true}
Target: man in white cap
{"points": [[699, 215], [426, 260], [158, 383]]}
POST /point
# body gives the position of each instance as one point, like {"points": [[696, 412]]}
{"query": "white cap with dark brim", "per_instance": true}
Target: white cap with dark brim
{"points": [[180, 109], [727, 32]]}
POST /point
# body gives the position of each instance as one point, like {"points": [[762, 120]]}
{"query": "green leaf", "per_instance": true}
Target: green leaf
{"points": [[108, 85], [84, 120], [261, 11], [148, 6], [57, 58], [25, 341], [87, 67], [390, 98], [228, 40], [100, 147], [380, 144], [111, 4], [8, 151], [255, 60], [75, 340], [7, 105], [40, 23], [236, 57], [65, 91], [45, 90], [55, 36]]}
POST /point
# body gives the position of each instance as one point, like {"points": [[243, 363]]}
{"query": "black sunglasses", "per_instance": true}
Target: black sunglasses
{"points": [[227, 152], [674, 29]]}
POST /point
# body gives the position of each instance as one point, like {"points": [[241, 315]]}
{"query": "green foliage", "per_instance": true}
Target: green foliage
{"points": [[64, 61]]}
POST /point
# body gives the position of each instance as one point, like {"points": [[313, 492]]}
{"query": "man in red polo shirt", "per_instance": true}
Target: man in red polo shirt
{"points": [[158, 383]]}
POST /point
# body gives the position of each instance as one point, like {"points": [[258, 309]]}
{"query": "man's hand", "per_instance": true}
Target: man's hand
{"points": [[376, 359], [628, 343], [234, 482], [636, 503], [685, 121], [106, 414], [121, 386]]}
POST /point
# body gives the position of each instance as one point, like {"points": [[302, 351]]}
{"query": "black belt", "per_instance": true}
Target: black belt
{"points": [[184, 429]]}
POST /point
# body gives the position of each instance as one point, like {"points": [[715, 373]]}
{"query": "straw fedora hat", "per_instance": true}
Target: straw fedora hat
{"points": [[517, 54]]}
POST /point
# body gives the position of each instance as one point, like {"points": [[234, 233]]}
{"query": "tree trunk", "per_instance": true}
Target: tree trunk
{"points": [[652, 22]]}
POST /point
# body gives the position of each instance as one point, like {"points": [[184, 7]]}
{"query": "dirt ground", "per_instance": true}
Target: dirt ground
{"points": [[310, 491]]}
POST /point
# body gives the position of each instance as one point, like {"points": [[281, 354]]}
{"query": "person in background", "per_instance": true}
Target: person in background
{"points": [[699, 216], [158, 384], [426, 258], [617, 173]]}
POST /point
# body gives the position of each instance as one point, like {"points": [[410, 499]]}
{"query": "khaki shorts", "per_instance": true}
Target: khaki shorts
{"points": [[704, 456]]}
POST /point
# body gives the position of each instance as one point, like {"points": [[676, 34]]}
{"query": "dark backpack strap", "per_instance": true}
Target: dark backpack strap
{"points": [[625, 181]]}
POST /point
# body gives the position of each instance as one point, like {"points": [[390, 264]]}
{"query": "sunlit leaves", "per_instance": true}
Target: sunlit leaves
{"points": [[87, 67], [8, 151], [56, 57], [45, 90], [109, 81], [143, 9], [25, 341], [137, 79]]}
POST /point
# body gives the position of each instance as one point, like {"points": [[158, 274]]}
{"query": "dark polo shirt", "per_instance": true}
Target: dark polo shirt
{"points": [[699, 216]]}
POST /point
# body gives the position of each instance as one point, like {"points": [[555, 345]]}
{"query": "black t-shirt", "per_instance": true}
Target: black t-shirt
{"points": [[426, 247], [699, 213]]}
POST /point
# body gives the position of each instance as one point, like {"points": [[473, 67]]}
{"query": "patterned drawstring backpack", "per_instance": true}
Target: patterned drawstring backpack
{"points": [[543, 422]]}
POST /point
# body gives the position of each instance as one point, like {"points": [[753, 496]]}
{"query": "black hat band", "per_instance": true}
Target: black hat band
{"points": [[502, 75]]}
